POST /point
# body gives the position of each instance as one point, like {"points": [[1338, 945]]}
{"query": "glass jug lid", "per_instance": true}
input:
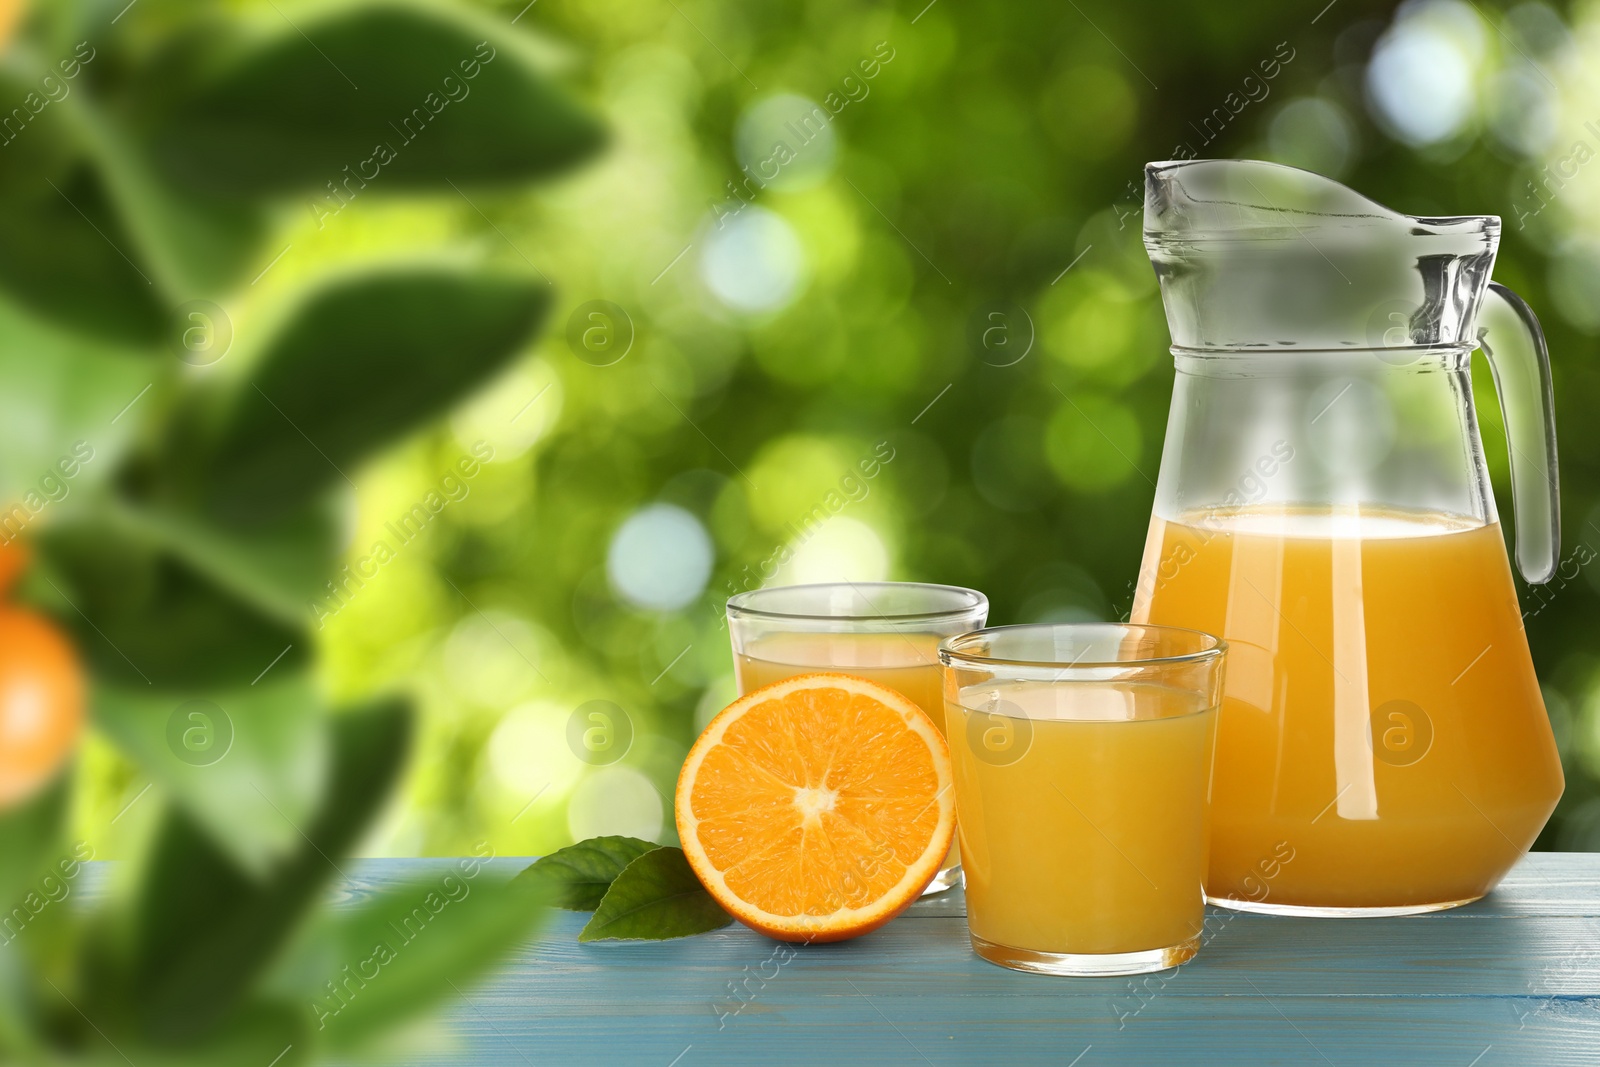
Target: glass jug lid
{"points": [[1259, 255]]}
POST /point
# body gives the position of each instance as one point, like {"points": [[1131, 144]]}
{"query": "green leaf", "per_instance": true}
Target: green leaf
{"points": [[579, 875], [59, 394], [259, 1032], [42, 148], [281, 108], [278, 567], [145, 619], [248, 764], [656, 897], [194, 245], [64, 253], [204, 929], [362, 363], [41, 875], [30, 838], [18, 1013], [414, 945]]}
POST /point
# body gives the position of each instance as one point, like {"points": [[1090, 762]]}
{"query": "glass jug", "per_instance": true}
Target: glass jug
{"points": [[1324, 505]]}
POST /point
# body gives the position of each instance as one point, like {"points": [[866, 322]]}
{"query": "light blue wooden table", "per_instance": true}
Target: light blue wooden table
{"points": [[1513, 979]]}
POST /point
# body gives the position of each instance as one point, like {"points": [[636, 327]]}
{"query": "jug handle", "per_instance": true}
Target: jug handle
{"points": [[1509, 334]]}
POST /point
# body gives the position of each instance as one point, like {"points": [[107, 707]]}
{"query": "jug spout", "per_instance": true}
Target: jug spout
{"points": [[1255, 255]]}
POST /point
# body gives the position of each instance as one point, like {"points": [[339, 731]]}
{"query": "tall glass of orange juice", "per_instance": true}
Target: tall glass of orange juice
{"points": [[1082, 757], [886, 632]]}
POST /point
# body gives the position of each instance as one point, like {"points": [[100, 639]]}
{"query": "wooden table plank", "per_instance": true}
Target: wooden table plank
{"points": [[1244, 954], [1513, 979], [1544, 883], [871, 1028]]}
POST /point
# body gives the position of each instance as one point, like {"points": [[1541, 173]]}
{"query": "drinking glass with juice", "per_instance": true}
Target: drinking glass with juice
{"points": [[885, 632], [1082, 759]]}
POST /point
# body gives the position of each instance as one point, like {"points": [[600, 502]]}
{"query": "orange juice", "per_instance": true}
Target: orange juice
{"points": [[908, 663], [1089, 837], [905, 662], [1381, 715]]}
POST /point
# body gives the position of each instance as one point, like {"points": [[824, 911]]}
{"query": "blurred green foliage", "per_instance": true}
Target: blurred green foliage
{"points": [[150, 162], [774, 334]]}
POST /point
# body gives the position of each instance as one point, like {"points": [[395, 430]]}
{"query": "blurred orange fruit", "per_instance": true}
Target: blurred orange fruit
{"points": [[41, 702], [14, 557], [11, 12], [818, 808]]}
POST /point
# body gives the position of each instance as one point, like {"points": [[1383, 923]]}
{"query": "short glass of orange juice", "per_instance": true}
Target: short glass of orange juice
{"points": [[885, 632], [1082, 757]]}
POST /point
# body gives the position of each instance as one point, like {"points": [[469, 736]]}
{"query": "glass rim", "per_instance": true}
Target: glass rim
{"points": [[951, 654], [1244, 351], [741, 605]]}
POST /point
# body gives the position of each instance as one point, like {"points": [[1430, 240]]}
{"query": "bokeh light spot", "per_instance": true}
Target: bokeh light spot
{"points": [[786, 142], [660, 558], [753, 261], [1315, 134], [1575, 284], [528, 752], [487, 658], [841, 549], [1419, 81], [615, 800], [800, 479], [1093, 443], [1524, 114]]}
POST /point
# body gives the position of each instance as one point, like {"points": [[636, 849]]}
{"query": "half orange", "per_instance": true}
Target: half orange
{"points": [[818, 808]]}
